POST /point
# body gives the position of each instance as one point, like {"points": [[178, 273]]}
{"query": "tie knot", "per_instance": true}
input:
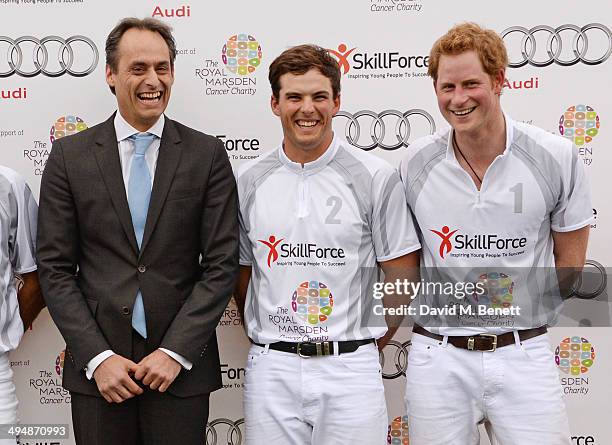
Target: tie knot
{"points": [[142, 141]]}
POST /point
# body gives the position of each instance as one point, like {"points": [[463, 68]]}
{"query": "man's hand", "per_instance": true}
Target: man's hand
{"points": [[113, 379], [30, 298], [157, 370]]}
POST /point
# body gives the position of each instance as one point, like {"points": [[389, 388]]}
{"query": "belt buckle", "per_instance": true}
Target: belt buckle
{"points": [[321, 349], [494, 344]]}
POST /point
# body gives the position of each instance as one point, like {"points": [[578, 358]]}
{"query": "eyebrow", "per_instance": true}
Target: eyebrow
{"points": [[298, 93]]}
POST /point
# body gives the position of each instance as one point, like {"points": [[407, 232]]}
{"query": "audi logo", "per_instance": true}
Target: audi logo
{"points": [[394, 359], [224, 432], [592, 282], [555, 43], [378, 128], [41, 57]]}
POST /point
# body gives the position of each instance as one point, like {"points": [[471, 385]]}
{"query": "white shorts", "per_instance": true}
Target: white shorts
{"points": [[332, 400], [8, 396], [515, 389]]}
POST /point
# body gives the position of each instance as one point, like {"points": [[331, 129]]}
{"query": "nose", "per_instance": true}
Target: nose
{"points": [[307, 106], [151, 77], [460, 96]]}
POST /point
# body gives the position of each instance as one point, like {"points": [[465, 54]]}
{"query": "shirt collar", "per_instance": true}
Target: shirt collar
{"points": [[124, 130], [313, 166], [450, 153]]}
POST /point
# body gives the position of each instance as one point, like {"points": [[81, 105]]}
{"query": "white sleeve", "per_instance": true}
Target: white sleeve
{"points": [[573, 210], [393, 229], [23, 212], [246, 252]]}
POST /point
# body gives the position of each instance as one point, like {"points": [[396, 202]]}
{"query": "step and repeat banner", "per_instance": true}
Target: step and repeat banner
{"points": [[52, 85]]}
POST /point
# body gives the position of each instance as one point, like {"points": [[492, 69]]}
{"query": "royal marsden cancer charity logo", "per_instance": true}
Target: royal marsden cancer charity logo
{"points": [[312, 301], [580, 124], [356, 64], [241, 54], [455, 244], [233, 72], [65, 126], [397, 433], [575, 356], [283, 253]]}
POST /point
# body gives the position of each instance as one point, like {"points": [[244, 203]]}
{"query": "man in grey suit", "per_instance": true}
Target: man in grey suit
{"points": [[137, 250]]}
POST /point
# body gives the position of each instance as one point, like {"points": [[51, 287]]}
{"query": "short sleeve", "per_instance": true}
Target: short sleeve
{"points": [[573, 210], [393, 229], [23, 213]]}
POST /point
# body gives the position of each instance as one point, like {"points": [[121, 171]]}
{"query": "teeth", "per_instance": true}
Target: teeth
{"points": [[150, 96], [307, 123], [463, 112]]}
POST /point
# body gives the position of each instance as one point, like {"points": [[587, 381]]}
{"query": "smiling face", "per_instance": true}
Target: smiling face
{"points": [[143, 78], [468, 97], [306, 106]]}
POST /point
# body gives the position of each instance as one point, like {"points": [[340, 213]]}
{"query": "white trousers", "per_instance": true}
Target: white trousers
{"points": [[8, 396], [332, 400], [515, 389]]}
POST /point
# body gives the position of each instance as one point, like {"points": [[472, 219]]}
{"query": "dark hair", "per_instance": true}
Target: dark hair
{"points": [[470, 37], [301, 59], [149, 24]]}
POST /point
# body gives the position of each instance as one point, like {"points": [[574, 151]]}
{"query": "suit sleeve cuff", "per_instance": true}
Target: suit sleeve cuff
{"points": [[90, 368], [179, 358]]}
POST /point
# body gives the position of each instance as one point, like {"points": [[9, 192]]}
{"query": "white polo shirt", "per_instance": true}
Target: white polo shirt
{"points": [[501, 235], [18, 218], [313, 235]]}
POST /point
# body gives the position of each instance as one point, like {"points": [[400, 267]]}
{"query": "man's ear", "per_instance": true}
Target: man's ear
{"points": [[274, 105]]}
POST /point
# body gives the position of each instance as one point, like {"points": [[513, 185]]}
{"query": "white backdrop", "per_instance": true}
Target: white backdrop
{"points": [[383, 44]]}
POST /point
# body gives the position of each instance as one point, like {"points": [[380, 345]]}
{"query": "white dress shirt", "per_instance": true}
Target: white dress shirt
{"points": [[126, 153]]}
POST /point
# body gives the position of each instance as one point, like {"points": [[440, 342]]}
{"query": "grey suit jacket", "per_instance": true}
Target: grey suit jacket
{"points": [[90, 266]]}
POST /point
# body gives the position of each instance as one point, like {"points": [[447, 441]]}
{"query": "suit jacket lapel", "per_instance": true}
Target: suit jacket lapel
{"points": [[167, 161], [107, 157]]}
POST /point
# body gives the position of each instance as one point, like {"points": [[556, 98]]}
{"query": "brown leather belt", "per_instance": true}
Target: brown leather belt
{"points": [[311, 349], [483, 342]]}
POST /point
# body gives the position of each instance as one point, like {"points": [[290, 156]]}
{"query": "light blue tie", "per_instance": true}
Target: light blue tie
{"points": [[139, 195]]}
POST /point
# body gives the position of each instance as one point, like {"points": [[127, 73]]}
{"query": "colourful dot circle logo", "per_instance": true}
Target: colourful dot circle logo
{"points": [[398, 431], [575, 355], [59, 363], [498, 288], [65, 126], [241, 54], [312, 301], [580, 124]]}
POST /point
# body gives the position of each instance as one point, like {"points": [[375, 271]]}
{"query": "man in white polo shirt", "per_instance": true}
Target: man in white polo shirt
{"points": [[18, 211], [318, 217], [499, 204]]}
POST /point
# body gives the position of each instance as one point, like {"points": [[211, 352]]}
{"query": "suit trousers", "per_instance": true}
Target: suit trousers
{"points": [[152, 418]]}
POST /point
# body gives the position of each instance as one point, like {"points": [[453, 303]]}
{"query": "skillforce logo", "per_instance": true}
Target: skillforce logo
{"points": [[241, 54], [378, 64], [575, 357], [496, 246], [300, 254], [312, 301]]}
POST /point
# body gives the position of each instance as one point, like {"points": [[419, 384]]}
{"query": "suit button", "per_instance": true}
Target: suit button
{"points": [[142, 268], [125, 310]]}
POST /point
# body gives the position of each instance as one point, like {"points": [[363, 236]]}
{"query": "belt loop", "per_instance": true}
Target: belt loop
{"points": [[445, 341], [336, 348], [517, 339], [266, 348]]}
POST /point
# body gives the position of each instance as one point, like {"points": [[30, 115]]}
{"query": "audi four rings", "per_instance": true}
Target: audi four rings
{"points": [[400, 359], [554, 45], [377, 128], [40, 56], [233, 435]]}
